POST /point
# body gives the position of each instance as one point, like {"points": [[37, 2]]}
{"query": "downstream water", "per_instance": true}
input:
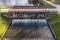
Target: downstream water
{"points": [[27, 29]]}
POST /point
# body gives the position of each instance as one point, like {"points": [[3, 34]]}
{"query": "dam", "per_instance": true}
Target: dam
{"points": [[28, 26]]}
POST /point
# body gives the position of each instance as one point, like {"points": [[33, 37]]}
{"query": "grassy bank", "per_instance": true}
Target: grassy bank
{"points": [[46, 4], [55, 26], [53, 18], [2, 28], [58, 1], [52, 13], [4, 7], [3, 24]]}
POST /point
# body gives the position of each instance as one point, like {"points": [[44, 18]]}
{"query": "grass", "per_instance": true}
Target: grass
{"points": [[46, 4], [6, 19], [52, 13], [58, 1], [4, 7], [3, 24], [52, 19], [56, 28], [2, 28], [53, 1]]}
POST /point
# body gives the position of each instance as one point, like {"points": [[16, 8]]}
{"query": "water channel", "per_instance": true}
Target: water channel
{"points": [[28, 29], [15, 2]]}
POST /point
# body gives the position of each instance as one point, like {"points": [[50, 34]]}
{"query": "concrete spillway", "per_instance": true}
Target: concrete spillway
{"points": [[28, 29]]}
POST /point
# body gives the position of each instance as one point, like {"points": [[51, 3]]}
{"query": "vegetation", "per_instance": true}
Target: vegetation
{"points": [[2, 28], [55, 26], [52, 12], [42, 2], [54, 18], [46, 4], [52, 1], [4, 7], [58, 1], [34, 1], [6, 19], [3, 24]]}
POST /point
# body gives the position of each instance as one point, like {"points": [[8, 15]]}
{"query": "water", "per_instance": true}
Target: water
{"points": [[27, 26], [15, 2], [28, 23], [29, 29]]}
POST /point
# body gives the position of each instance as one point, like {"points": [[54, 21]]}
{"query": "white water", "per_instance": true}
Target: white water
{"points": [[15, 2]]}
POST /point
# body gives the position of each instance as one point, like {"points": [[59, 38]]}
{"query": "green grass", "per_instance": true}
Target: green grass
{"points": [[4, 7], [3, 24], [6, 19], [54, 18], [52, 13], [46, 4], [56, 28], [58, 1], [2, 28]]}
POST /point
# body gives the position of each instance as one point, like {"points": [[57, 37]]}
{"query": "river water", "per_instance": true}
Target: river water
{"points": [[29, 29], [15, 2]]}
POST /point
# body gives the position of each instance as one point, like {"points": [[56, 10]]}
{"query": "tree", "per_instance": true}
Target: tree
{"points": [[34, 1]]}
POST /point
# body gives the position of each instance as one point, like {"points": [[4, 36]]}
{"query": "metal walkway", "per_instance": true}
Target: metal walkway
{"points": [[28, 10]]}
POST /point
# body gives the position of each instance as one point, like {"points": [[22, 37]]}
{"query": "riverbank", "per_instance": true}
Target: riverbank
{"points": [[57, 2], [46, 4], [55, 25], [3, 24]]}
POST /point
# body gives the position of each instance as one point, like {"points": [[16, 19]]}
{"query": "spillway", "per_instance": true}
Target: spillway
{"points": [[29, 29]]}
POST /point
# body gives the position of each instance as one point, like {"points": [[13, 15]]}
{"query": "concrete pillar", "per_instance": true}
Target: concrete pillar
{"points": [[46, 16], [14, 15]]}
